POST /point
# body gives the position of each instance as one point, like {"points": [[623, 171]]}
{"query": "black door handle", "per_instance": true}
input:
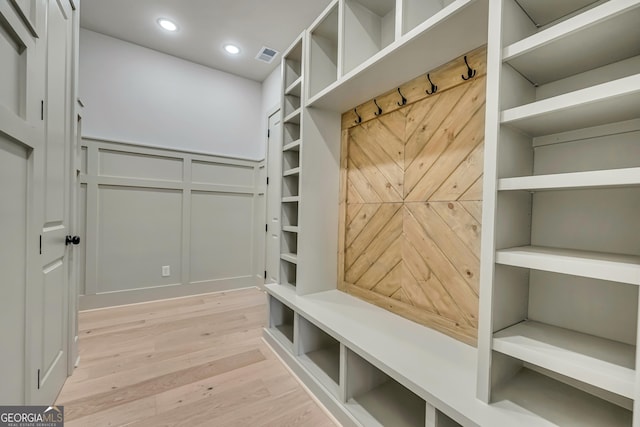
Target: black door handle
{"points": [[72, 240]]}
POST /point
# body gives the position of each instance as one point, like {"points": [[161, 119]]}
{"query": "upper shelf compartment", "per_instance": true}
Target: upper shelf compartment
{"points": [[609, 102], [293, 67], [597, 37], [323, 50], [369, 26], [544, 12], [415, 12], [452, 31]]}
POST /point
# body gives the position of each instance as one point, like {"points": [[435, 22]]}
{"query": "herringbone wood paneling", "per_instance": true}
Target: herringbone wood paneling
{"points": [[412, 199]]}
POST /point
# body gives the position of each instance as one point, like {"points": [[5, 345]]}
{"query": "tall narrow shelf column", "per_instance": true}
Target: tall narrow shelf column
{"points": [[292, 101]]}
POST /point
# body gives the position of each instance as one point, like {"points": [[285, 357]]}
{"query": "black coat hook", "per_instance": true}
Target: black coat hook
{"points": [[470, 72], [403, 101], [359, 120], [379, 109], [434, 88]]}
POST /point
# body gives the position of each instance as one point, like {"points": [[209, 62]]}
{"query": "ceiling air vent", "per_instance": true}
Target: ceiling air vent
{"points": [[266, 54]]}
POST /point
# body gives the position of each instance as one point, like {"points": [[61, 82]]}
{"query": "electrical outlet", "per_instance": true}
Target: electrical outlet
{"points": [[166, 271]]}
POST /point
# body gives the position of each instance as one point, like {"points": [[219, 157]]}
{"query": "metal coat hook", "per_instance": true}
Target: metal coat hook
{"points": [[379, 109], [434, 88], [470, 72], [404, 100], [355, 110]]}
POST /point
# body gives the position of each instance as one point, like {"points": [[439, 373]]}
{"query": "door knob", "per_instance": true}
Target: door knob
{"points": [[72, 240]]}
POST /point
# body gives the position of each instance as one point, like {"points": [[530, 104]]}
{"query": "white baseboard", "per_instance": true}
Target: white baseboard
{"points": [[132, 296]]}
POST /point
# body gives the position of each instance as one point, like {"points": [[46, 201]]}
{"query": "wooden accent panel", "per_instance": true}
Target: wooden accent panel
{"points": [[411, 202]]}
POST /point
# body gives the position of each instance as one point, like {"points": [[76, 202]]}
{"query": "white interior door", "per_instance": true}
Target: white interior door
{"points": [[21, 137], [274, 165], [51, 299]]}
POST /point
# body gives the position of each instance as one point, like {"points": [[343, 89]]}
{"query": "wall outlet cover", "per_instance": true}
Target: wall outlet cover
{"points": [[166, 271]]}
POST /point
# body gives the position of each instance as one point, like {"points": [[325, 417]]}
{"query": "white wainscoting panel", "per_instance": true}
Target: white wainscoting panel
{"points": [[143, 208]]}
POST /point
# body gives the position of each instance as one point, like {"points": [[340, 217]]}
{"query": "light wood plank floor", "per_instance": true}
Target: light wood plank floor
{"points": [[197, 361]]}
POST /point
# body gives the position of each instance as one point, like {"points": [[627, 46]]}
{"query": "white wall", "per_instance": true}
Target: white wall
{"points": [[139, 95]]}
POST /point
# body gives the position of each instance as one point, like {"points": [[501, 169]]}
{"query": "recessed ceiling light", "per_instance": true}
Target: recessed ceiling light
{"points": [[167, 25], [232, 49]]}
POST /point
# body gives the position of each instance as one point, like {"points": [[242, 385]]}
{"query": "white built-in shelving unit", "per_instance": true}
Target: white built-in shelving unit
{"points": [[561, 248], [293, 82]]}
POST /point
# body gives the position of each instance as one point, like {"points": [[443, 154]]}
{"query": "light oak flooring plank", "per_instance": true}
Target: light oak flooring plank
{"points": [[195, 361]]}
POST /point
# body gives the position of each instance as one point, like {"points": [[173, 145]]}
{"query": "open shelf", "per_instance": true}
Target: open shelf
{"points": [[604, 363], [291, 106], [597, 37], [293, 171], [292, 146], [605, 266], [289, 243], [292, 60], [281, 321], [291, 133], [290, 229], [381, 72], [576, 180], [291, 199], [290, 186], [375, 399], [415, 12], [289, 257], [288, 273], [320, 353], [608, 102], [560, 404], [293, 117], [295, 88], [369, 27], [290, 214], [323, 51]]}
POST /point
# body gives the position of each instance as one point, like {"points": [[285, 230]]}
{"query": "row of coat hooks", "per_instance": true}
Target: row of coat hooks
{"points": [[403, 101]]}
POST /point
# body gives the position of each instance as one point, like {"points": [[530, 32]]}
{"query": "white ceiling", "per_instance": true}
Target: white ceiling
{"points": [[205, 26]]}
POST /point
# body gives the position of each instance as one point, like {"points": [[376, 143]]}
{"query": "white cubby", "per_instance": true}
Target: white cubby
{"points": [[290, 186], [376, 399], [290, 214], [369, 27], [290, 159], [323, 51], [415, 12], [281, 321], [289, 242], [578, 44], [291, 104], [320, 353], [291, 134], [288, 273], [292, 66]]}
